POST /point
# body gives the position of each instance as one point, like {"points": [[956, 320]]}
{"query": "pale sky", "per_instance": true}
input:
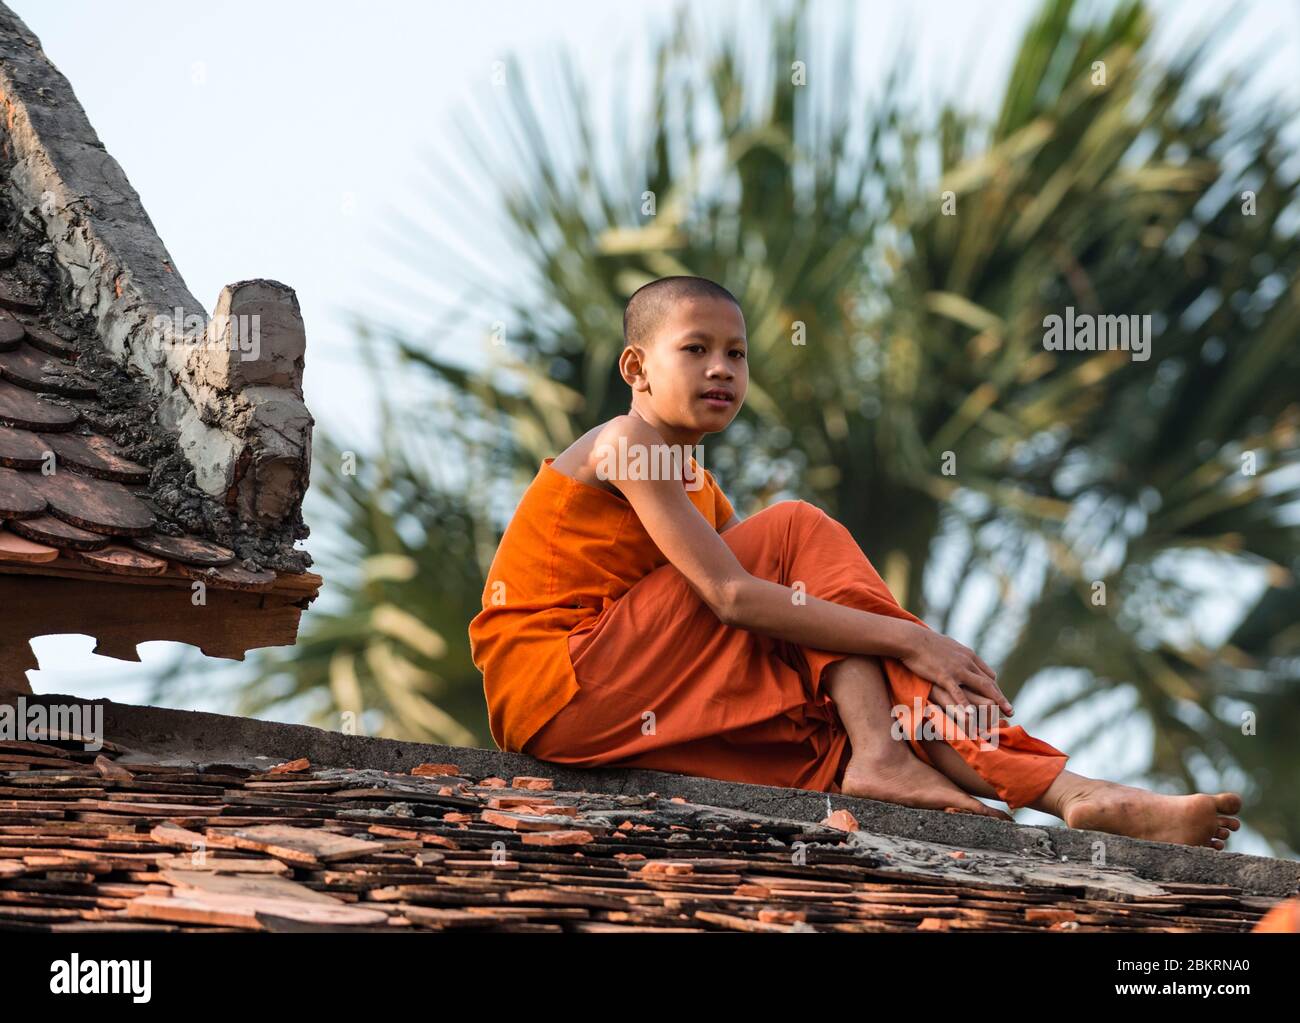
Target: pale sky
{"points": [[288, 140]]}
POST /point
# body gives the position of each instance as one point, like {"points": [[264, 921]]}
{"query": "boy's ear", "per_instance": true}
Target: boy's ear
{"points": [[630, 364]]}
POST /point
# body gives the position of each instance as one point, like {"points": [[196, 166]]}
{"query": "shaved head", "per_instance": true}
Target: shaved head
{"points": [[649, 304]]}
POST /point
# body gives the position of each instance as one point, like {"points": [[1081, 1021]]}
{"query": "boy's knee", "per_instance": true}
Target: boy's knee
{"points": [[785, 517], [799, 509], [793, 508]]}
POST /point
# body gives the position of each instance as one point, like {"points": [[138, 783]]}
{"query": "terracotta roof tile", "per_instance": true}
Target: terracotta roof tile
{"points": [[95, 456], [33, 370], [19, 498], [46, 529], [49, 342], [11, 331], [121, 561], [101, 506], [22, 449], [24, 410], [16, 548], [189, 550], [231, 577]]}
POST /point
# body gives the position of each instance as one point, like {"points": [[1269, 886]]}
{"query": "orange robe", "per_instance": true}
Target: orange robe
{"points": [[1284, 918], [596, 651]]}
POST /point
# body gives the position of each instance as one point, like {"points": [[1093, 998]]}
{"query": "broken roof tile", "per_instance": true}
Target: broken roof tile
{"points": [[435, 769], [34, 370], [189, 550], [120, 560], [93, 455], [49, 342]]}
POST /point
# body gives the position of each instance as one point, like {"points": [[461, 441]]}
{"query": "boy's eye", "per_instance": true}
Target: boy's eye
{"points": [[734, 351]]}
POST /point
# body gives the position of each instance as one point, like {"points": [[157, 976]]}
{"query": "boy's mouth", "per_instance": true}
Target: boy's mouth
{"points": [[718, 396]]}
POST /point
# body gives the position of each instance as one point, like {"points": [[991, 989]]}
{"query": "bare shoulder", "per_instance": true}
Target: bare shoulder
{"points": [[614, 440], [631, 429], [581, 459]]}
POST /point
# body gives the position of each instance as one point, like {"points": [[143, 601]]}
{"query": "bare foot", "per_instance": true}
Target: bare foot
{"points": [[910, 782], [1198, 819]]}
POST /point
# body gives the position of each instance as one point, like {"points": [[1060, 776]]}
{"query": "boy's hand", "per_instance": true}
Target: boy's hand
{"points": [[954, 669]]}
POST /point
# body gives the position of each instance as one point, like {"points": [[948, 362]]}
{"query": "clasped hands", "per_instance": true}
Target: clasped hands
{"points": [[956, 671]]}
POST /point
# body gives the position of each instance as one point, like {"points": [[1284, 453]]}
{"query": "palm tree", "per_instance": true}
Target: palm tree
{"points": [[895, 270]]}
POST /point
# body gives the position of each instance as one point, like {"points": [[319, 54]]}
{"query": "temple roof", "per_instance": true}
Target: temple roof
{"points": [[147, 449]]}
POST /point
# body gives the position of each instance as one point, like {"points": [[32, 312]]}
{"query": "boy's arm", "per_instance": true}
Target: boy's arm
{"points": [[744, 600], [763, 606]]}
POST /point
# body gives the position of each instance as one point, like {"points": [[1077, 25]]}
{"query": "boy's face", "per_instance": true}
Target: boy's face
{"points": [[700, 347]]}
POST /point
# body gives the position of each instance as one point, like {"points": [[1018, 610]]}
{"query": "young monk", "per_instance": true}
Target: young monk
{"points": [[631, 619]]}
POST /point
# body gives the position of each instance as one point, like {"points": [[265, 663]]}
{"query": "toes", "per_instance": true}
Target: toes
{"points": [[1216, 843], [1228, 802], [980, 811], [1221, 833], [1229, 822]]}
